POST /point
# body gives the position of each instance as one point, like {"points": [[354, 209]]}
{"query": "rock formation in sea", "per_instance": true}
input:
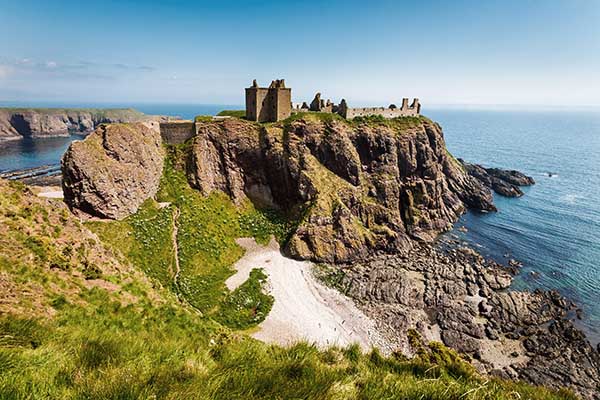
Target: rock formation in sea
{"points": [[503, 182]]}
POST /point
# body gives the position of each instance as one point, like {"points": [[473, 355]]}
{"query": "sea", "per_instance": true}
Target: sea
{"points": [[554, 229]]}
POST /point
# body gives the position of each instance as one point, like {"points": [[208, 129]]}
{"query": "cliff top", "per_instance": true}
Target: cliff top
{"points": [[399, 122], [64, 110]]}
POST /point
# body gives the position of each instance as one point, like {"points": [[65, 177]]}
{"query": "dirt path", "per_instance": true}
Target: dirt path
{"points": [[174, 234], [176, 247], [304, 309]]}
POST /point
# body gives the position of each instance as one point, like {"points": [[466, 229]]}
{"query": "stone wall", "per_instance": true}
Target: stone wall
{"points": [[387, 112], [177, 132], [320, 105], [257, 104], [283, 101]]}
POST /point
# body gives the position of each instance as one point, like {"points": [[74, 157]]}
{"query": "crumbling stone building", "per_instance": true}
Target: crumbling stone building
{"points": [[275, 103], [392, 111], [268, 104]]}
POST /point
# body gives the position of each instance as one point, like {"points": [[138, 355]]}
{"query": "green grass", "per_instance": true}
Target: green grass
{"points": [[106, 351], [208, 227], [233, 113], [203, 118], [399, 124], [313, 116], [144, 238], [248, 305]]}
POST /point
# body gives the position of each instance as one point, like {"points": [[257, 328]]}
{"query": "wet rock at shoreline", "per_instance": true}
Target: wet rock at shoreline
{"points": [[503, 182], [459, 298]]}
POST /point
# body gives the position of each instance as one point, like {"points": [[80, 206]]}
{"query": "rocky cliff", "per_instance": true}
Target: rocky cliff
{"points": [[16, 123], [112, 171], [361, 187], [353, 187]]}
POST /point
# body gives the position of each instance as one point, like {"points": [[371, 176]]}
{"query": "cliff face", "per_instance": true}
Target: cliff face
{"points": [[355, 187], [112, 171], [361, 187], [36, 123]]}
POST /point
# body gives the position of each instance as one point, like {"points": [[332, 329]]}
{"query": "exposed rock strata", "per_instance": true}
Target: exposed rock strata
{"points": [[362, 187], [459, 298], [503, 182], [37, 123], [114, 170]]}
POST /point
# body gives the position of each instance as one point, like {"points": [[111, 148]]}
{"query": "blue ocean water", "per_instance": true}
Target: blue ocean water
{"points": [[554, 229]]}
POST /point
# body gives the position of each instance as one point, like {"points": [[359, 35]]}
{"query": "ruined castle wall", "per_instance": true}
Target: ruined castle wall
{"points": [[257, 104], [383, 111], [177, 132], [283, 99]]}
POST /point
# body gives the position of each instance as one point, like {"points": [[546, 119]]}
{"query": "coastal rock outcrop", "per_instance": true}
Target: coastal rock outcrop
{"points": [[362, 187], [459, 298], [16, 123], [503, 182], [114, 170], [355, 187], [369, 198]]}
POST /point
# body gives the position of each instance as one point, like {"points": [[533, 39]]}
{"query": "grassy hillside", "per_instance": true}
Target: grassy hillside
{"points": [[103, 316]]}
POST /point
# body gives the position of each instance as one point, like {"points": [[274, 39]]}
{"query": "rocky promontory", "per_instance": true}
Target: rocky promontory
{"points": [[354, 187], [18, 123], [462, 300]]}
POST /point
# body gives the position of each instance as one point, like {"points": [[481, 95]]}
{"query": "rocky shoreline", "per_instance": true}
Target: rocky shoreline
{"points": [[455, 296], [504, 182]]}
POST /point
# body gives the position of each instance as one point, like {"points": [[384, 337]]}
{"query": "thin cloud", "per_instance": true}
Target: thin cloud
{"points": [[51, 69], [4, 71], [27, 63]]}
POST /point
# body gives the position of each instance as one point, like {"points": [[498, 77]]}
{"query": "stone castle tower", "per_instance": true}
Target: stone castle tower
{"points": [[268, 104]]}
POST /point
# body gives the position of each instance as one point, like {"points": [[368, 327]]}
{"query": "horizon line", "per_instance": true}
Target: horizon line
{"points": [[434, 105]]}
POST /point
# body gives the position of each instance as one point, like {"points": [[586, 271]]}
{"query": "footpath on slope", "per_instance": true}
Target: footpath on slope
{"points": [[304, 308]]}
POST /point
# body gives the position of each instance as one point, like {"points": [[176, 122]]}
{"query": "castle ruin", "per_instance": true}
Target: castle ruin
{"points": [[268, 104], [275, 103]]}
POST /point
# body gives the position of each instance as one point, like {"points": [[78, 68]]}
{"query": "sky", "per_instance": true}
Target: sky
{"points": [[525, 52]]}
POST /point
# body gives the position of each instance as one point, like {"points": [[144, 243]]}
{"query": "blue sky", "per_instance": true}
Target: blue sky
{"points": [[376, 52]]}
